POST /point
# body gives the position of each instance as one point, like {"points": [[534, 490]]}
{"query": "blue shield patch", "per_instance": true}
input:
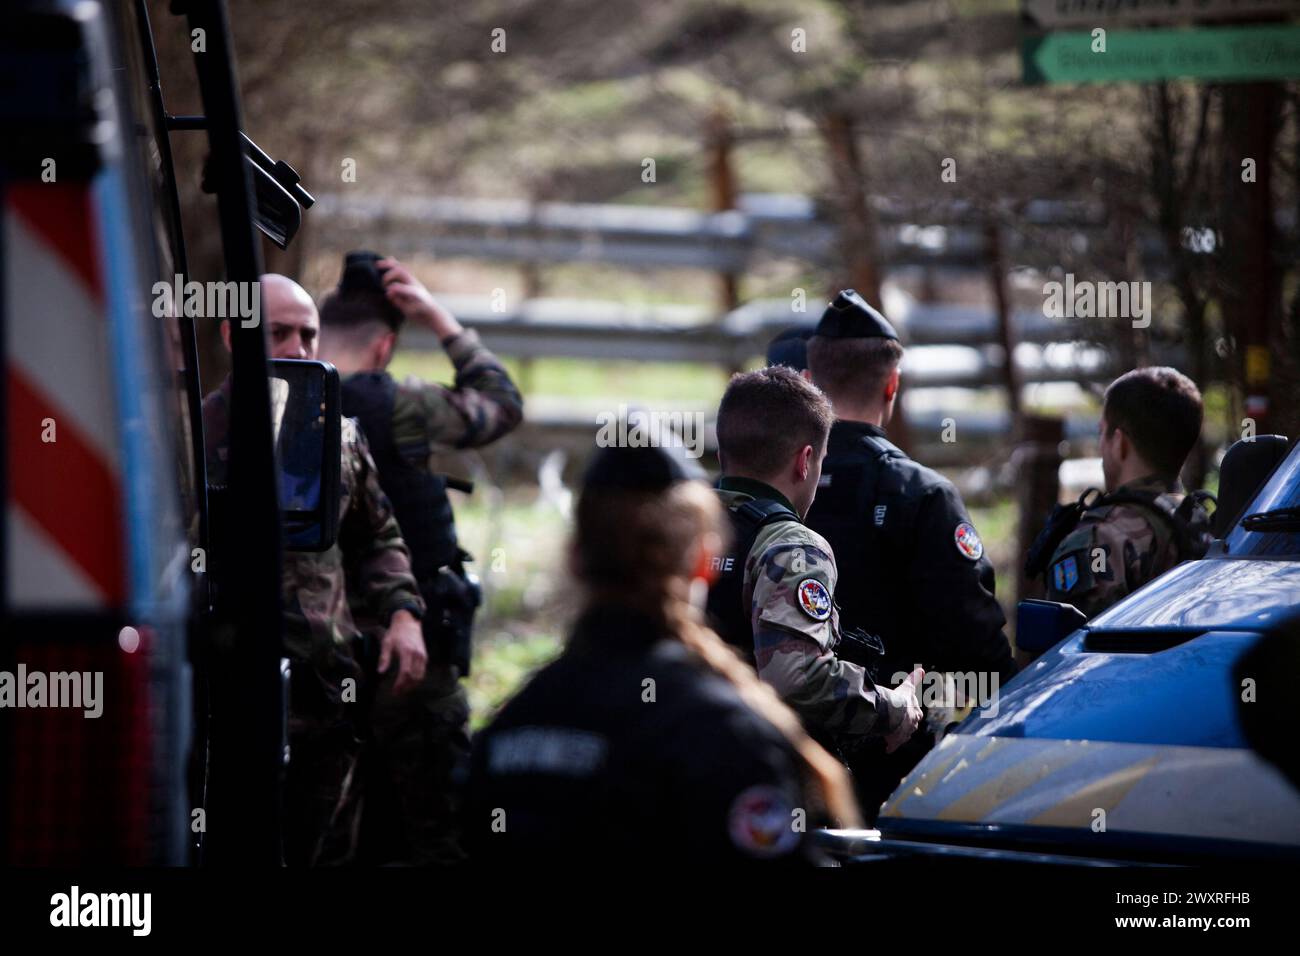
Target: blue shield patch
{"points": [[1065, 573]]}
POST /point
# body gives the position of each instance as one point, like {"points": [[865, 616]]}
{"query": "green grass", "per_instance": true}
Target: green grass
{"points": [[500, 667], [997, 525], [519, 547]]}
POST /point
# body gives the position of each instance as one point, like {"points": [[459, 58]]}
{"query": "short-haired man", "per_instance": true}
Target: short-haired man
{"points": [[912, 567], [419, 740], [774, 598], [1144, 524]]}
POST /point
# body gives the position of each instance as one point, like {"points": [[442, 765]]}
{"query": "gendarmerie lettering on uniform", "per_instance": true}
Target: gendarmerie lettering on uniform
{"points": [[63, 689], [547, 750]]}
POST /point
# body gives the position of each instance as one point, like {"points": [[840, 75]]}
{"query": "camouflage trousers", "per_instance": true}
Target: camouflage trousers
{"points": [[412, 772], [320, 817]]}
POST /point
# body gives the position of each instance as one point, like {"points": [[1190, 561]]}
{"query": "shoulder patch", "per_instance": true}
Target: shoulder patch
{"points": [[1065, 573], [968, 541], [814, 599], [761, 822]]}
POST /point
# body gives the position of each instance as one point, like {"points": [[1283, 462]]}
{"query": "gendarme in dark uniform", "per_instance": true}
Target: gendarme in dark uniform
{"points": [[580, 767], [912, 566]]}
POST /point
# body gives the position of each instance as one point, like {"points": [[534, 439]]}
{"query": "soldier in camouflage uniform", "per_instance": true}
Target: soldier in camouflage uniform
{"points": [[419, 742], [368, 562], [1142, 526], [774, 596]]}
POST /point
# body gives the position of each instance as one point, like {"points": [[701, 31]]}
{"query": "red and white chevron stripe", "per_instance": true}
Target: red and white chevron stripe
{"points": [[65, 536]]}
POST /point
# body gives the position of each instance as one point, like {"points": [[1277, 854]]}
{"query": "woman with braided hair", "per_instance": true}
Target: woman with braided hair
{"points": [[649, 736]]}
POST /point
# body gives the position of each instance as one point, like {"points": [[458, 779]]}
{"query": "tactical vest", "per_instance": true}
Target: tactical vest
{"points": [[418, 496], [728, 612], [860, 506], [1186, 524]]}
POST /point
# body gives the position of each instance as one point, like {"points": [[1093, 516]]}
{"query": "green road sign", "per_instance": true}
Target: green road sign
{"points": [[1267, 52], [1063, 14]]}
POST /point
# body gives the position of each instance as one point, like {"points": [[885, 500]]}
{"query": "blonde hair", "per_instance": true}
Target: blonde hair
{"points": [[640, 550]]}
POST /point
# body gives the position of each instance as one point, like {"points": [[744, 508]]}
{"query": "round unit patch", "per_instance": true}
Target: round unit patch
{"points": [[814, 599], [968, 541], [761, 822]]}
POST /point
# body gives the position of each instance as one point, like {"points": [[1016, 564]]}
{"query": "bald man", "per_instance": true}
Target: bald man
{"points": [[369, 561]]}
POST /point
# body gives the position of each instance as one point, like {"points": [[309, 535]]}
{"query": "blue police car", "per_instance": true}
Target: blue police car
{"points": [[1126, 741]]}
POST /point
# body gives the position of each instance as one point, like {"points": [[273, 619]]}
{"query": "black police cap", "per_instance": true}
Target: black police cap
{"points": [[849, 317], [790, 348], [650, 469], [363, 279]]}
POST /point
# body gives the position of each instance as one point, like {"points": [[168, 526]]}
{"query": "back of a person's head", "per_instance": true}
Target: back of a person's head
{"points": [[766, 417], [853, 371], [790, 348], [1160, 410], [358, 309], [636, 545], [356, 317]]}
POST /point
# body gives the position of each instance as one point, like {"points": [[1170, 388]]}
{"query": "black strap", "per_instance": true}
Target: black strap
{"points": [[1156, 504], [1060, 524], [726, 598], [760, 512]]}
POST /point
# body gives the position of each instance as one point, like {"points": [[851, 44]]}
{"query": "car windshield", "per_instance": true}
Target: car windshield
{"points": [[1282, 490]]}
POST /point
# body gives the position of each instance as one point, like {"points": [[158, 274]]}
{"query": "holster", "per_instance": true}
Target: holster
{"points": [[452, 597]]}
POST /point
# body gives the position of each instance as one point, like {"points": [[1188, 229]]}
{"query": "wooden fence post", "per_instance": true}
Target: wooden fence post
{"points": [[1038, 487]]}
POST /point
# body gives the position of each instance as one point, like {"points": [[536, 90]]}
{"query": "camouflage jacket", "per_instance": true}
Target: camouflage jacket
{"points": [[789, 584], [369, 558], [479, 408], [1113, 551]]}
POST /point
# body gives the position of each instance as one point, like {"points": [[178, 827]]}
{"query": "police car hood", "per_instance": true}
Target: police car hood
{"points": [[1157, 667], [1135, 715]]}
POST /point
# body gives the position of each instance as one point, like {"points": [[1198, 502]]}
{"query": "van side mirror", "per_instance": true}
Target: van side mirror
{"points": [[306, 427], [1041, 625], [279, 194]]}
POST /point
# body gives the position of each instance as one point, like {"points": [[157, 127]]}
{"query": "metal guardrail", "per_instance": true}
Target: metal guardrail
{"points": [[1050, 351], [640, 237]]}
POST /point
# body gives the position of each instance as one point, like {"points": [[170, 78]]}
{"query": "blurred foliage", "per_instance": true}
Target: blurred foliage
{"points": [[630, 381], [519, 541]]}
